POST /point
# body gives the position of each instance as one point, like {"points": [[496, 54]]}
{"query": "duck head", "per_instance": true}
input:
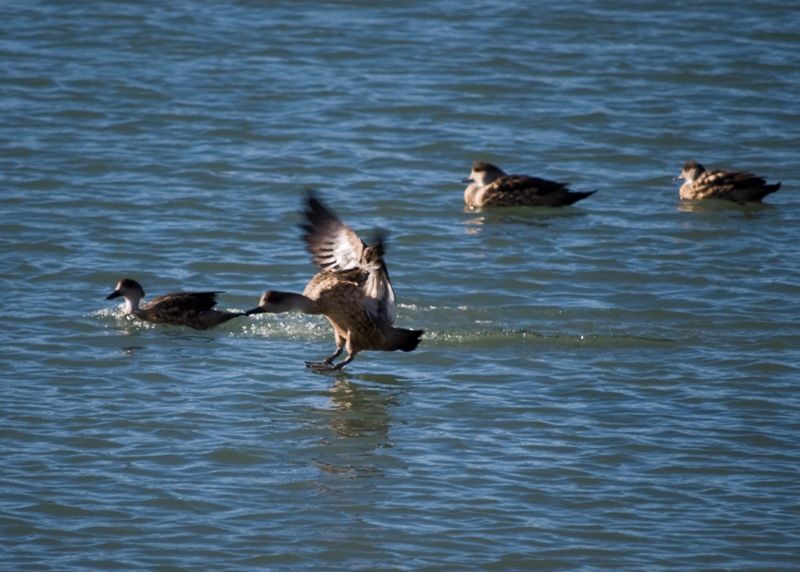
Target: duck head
{"points": [[272, 302], [483, 173], [129, 289], [691, 170]]}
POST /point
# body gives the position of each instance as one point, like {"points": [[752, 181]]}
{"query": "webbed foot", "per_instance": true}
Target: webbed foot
{"points": [[320, 365], [328, 365]]}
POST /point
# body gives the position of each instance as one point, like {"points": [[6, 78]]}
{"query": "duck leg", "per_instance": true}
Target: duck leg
{"points": [[344, 362], [342, 342], [327, 363], [351, 354]]}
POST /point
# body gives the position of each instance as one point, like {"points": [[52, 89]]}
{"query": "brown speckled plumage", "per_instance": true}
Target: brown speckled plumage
{"points": [[352, 291], [490, 186], [192, 309], [739, 187]]}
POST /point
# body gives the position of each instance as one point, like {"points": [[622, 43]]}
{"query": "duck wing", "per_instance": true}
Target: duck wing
{"points": [[524, 183], [181, 303], [333, 245], [728, 182], [379, 298]]}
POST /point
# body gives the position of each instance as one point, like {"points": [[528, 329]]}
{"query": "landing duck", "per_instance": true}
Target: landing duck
{"points": [[193, 309], [490, 186], [352, 290], [739, 187]]}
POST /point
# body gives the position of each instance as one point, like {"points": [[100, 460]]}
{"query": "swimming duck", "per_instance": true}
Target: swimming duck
{"points": [[739, 187], [193, 309], [490, 186], [352, 290]]}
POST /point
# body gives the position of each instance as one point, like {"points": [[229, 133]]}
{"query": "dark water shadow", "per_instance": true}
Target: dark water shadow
{"points": [[719, 206]]}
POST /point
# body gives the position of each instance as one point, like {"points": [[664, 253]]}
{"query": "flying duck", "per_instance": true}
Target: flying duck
{"points": [[732, 186], [193, 309], [490, 186], [352, 290]]}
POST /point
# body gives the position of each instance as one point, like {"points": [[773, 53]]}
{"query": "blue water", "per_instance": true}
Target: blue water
{"points": [[608, 386]]}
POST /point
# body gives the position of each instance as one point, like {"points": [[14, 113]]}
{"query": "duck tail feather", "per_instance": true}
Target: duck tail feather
{"points": [[575, 196], [404, 340]]}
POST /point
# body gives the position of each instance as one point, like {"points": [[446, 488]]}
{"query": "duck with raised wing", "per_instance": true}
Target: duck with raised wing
{"points": [[490, 186], [739, 187], [352, 290], [193, 309]]}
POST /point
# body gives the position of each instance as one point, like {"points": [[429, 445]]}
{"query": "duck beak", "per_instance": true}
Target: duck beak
{"points": [[256, 310], [114, 294]]}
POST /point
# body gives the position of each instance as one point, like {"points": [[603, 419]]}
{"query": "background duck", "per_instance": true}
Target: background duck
{"points": [[490, 186], [352, 290], [193, 309], [740, 187]]}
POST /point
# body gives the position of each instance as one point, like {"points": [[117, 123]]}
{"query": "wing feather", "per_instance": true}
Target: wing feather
{"points": [[530, 185], [333, 245], [180, 302], [740, 180]]}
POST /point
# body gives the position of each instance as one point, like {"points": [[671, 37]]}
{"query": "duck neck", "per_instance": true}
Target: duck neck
{"points": [[131, 304], [291, 302]]}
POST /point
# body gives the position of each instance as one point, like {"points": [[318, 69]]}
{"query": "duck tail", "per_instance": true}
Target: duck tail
{"points": [[758, 194], [402, 339], [575, 196]]}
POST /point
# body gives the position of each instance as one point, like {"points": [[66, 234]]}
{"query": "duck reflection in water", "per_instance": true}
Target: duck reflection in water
{"points": [[510, 221], [359, 420]]}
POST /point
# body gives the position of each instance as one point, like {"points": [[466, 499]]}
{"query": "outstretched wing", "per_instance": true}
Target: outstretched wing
{"points": [[379, 298], [524, 184], [183, 302], [333, 245]]}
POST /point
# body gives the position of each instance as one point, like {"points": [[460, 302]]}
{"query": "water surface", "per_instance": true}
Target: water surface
{"points": [[609, 386]]}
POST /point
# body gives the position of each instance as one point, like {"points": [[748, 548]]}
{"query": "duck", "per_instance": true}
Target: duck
{"points": [[490, 186], [352, 290], [193, 309], [740, 187]]}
